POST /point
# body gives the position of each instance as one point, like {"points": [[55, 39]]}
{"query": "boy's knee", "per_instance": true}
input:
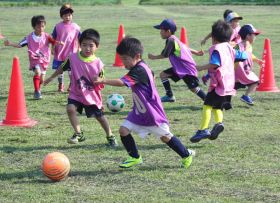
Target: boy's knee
{"points": [[165, 138], [123, 131], [70, 108]]}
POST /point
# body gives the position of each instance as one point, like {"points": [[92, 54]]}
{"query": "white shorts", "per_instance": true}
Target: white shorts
{"points": [[42, 70], [144, 131]]}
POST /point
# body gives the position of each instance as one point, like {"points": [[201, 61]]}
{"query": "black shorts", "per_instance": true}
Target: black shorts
{"points": [[90, 110], [190, 80], [217, 101], [239, 85]]}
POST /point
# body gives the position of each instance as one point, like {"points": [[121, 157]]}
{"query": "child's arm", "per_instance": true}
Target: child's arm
{"points": [[11, 44], [54, 42], [206, 67], [257, 60], [153, 57], [197, 53], [205, 39], [111, 82]]}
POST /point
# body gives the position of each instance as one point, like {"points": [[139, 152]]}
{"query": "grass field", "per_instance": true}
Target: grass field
{"points": [[241, 166]]}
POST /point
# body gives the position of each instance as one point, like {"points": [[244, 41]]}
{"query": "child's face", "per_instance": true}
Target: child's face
{"points": [[251, 38], [67, 17], [165, 33], [130, 62], [39, 28], [88, 48], [234, 23]]}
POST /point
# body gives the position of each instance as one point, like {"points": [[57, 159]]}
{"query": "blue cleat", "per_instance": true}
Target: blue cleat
{"points": [[247, 99], [199, 135], [217, 129], [168, 99]]}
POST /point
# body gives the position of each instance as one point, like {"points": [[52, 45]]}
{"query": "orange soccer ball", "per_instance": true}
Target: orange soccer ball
{"points": [[56, 166]]}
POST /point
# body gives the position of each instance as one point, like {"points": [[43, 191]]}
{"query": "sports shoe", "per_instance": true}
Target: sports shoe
{"points": [[199, 135], [76, 138], [112, 141], [247, 99], [205, 79], [60, 87], [37, 95], [131, 162], [186, 162], [168, 99], [216, 130]]}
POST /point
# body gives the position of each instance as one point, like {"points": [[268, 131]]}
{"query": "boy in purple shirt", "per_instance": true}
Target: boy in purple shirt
{"points": [[180, 56], [147, 115]]}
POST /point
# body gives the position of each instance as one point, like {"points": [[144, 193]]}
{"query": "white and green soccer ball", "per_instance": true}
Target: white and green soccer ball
{"points": [[115, 102]]}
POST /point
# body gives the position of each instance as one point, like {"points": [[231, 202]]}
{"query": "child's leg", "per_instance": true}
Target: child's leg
{"points": [[105, 125], [219, 126], [175, 144], [218, 115], [72, 115], [166, 84], [37, 78], [251, 88], [199, 92], [206, 117], [128, 142]]}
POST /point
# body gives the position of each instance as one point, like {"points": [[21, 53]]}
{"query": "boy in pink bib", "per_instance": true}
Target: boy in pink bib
{"points": [[38, 51], [84, 94]]}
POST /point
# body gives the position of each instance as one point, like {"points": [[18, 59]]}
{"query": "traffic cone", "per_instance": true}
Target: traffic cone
{"points": [[183, 37], [16, 114], [118, 61], [267, 81]]}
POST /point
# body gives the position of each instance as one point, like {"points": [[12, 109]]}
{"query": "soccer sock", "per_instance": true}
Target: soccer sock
{"points": [[167, 87], [36, 82], [60, 79], [218, 115], [130, 146], [175, 144], [206, 116], [199, 92]]}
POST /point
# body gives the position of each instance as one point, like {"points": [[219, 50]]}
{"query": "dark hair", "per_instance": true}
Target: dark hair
{"points": [[221, 31], [35, 20], [90, 34], [130, 46], [226, 12]]}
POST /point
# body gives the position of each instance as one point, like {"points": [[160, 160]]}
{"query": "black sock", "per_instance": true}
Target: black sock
{"points": [[201, 94], [167, 87], [130, 146], [178, 147]]}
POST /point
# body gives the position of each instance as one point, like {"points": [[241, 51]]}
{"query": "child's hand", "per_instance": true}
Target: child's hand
{"points": [[200, 53], [260, 62], [97, 80]]}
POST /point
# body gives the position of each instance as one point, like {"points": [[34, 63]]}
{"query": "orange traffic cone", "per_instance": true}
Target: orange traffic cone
{"points": [[16, 114], [118, 61], [267, 81], [183, 37]]}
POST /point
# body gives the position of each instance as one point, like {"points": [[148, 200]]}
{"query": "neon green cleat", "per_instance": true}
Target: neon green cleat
{"points": [[131, 162], [186, 162]]}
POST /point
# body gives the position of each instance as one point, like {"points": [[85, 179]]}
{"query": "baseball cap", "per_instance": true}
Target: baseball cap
{"points": [[66, 8], [248, 29], [231, 16], [167, 24]]}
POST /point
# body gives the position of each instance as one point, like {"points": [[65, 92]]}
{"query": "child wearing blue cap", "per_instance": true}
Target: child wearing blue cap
{"points": [[180, 56], [244, 76]]}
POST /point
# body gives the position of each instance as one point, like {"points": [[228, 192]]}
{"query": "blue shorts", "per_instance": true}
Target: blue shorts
{"points": [[90, 110], [56, 64]]}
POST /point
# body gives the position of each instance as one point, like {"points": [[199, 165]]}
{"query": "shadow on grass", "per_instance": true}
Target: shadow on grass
{"points": [[181, 108]]}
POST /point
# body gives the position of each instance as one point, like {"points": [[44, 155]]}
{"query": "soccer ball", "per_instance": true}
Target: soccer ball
{"points": [[115, 102], [55, 166]]}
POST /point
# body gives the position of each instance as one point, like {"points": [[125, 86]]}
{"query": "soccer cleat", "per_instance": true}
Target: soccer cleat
{"points": [[168, 99], [216, 130], [60, 87], [247, 99], [112, 141], [131, 161], [76, 138], [186, 162], [199, 135], [37, 95]]}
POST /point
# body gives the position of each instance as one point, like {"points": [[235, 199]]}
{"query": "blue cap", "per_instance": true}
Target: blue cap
{"points": [[167, 24], [248, 29]]}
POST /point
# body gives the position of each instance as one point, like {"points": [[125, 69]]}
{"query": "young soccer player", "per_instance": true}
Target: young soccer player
{"points": [[221, 87], [232, 18], [244, 76], [68, 32], [84, 94], [147, 115], [180, 56], [38, 51]]}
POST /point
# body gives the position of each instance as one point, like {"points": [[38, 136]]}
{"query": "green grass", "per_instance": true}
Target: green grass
{"points": [[241, 166]]}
